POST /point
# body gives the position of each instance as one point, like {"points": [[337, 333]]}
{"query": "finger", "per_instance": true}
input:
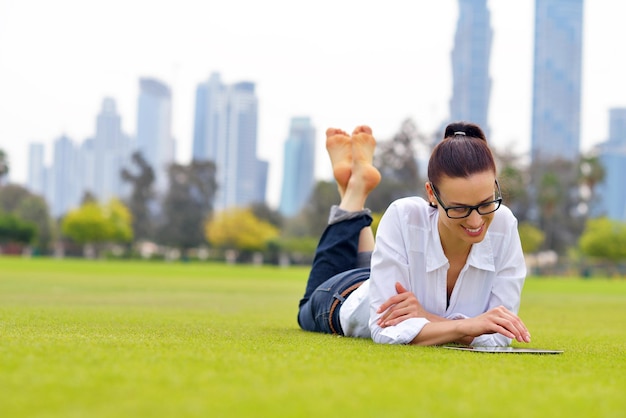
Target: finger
{"points": [[400, 288], [515, 324], [512, 325], [394, 300], [519, 328], [395, 315]]}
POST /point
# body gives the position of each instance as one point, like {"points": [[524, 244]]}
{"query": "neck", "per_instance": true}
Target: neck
{"points": [[454, 248]]}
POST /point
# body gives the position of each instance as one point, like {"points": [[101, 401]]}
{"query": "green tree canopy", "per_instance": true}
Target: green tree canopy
{"points": [[239, 229], [604, 239], [93, 223], [31, 208], [13, 229], [531, 237]]}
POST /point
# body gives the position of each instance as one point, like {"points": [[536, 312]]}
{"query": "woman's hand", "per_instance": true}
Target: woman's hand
{"points": [[497, 320], [399, 307]]}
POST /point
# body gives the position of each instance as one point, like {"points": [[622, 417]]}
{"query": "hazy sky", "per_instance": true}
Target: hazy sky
{"points": [[341, 62]]}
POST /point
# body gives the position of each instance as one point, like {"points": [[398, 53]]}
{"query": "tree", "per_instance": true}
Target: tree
{"points": [[604, 239], [397, 162], [142, 196], [29, 207], [531, 237], [4, 165], [238, 229], [514, 183], [591, 172], [557, 198], [15, 230], [265, 213], [313, 218], [11, 196], [34, 209], [187, 204], [93, 224]]}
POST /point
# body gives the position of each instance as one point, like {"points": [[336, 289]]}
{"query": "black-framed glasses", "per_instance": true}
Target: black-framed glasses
{"points": [[459, 212]]}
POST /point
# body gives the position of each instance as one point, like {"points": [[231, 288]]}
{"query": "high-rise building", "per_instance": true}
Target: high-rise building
{"points": [[93, 166], [611, 193], [36, 180], [225, 132], [109, 151], [65, 191], [154, 137], [298, 166], [557, 79], [471, 83]]}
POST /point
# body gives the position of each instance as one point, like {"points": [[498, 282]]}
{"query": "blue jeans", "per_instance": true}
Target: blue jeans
{"points": [[334, 271]]}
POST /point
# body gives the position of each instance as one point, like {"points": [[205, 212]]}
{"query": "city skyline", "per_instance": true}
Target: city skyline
{"points": [[292, 73]]}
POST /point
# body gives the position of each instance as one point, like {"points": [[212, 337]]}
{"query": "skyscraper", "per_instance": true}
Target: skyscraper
{"points": [[36, 168], [471, 83], [225, 132], [65, 189], [109, 152], [154, 137], [612, 155], [557, 79], [93, 166], [298, 166]]}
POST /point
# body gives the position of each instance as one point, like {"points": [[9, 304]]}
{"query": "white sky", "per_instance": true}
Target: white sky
{"points": [[341, 62]]}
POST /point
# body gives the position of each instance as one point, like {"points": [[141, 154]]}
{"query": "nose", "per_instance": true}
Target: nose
{"points": [[475, 219]]}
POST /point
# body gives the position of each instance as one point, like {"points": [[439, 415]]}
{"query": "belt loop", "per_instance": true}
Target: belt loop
{"points": [[339, 297]]}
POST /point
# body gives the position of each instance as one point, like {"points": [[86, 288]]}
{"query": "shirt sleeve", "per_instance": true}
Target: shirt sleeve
{"points": [[509, 281], [390, 265]]}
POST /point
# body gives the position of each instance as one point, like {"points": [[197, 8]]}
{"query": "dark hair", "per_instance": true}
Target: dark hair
{"points": [[463, 152]]}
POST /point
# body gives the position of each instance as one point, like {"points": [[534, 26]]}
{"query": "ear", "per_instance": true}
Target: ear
{"points": [[430, 196]]}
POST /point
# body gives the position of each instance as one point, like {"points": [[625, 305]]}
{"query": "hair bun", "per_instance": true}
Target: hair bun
{"points": [[465, 129]]}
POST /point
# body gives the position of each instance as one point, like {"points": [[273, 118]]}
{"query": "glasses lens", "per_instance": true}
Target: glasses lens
{"points": [[489, 207], [460, 212]]}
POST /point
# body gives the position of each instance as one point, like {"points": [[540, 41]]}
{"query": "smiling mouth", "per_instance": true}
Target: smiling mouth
{"points": [[473, 231]]}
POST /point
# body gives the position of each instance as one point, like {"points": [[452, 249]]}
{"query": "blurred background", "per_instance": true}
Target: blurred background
{"points": [[195, 129]]}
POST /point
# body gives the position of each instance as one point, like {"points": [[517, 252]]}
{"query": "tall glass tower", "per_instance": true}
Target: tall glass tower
{"points": [[36, 168], [557, 79], [225, 132], [65, 188], [154, 137], [111, 150], [298, 166], [612, 155], [471, 83]]}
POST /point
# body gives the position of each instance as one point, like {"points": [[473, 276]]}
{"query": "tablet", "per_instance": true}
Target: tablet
{"points": [[518, 350]]}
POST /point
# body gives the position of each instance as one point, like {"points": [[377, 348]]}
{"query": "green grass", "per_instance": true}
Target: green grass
{"points": [[126, 339]]}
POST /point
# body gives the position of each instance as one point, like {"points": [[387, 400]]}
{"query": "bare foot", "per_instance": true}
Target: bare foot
{"points": [[339, 147], [363, 170]]}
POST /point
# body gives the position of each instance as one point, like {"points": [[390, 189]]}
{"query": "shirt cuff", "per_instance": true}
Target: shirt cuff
{"points": [[404, 332]]}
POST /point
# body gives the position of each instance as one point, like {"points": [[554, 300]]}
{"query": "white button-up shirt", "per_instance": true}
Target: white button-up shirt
{"points": [[408, 250]]}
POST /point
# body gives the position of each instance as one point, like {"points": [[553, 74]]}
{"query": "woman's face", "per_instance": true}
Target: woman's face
{"points": [[474, 190]]}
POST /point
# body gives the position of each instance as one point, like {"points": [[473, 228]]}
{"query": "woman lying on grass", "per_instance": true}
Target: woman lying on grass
{"points": [[446, 269]]}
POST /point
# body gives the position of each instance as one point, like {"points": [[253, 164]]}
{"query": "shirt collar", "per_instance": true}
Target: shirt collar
{"points": [[480, 256]]}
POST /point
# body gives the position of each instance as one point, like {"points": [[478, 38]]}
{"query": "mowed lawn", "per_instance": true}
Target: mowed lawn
{"points": [[140, 339]]}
